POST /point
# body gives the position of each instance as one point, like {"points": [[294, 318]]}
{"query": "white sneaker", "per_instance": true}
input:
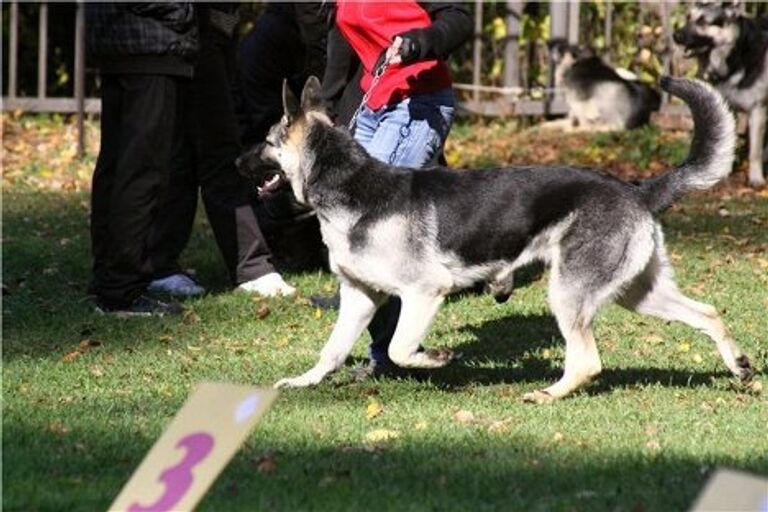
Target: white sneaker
{"points": [[178, 285], [268, 285]]}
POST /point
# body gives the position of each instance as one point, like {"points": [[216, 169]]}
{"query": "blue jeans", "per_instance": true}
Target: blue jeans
{"points": [[407, 134], [410, 133]]}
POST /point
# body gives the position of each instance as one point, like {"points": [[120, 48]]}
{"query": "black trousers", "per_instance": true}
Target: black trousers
{"points": [[140, 114], [204, 161]]}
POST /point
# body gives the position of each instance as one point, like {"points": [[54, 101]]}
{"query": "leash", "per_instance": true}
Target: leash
{"points": [[377, 74]]}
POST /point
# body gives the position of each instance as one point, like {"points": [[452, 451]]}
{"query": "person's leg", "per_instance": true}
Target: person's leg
{"points": [[103, 176], [178, 206], [229, 212], [129, 192]]}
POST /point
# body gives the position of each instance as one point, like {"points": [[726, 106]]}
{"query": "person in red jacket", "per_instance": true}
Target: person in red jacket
{"points": [[408, 104]]}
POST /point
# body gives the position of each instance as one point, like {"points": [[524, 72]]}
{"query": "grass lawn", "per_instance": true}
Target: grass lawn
{"points": [[85, 396]]}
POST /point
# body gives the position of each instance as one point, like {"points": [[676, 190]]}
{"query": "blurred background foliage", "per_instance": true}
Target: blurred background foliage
{"points": [[637, 41]]}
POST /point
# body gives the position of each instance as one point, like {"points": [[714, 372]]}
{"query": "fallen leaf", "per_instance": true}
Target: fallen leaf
{"points": [[498, 427], [374, 409], [381, 435], [263, 312], [654, 339], [267, 464], [464, 417], [68, 358], [58, 428], [190, 317]]}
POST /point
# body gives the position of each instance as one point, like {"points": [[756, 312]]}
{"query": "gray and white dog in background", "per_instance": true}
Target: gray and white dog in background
{"points": [[732, 50], [600, 97], [423, 235]]}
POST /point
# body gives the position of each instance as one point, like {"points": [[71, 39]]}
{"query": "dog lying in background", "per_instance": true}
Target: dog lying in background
{"points": [[732, 49], [421, 235], [600, 97]]}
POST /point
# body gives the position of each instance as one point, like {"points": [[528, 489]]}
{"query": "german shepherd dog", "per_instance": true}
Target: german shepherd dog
{"points": [[732, 50], [598, 96], [421, 235]]}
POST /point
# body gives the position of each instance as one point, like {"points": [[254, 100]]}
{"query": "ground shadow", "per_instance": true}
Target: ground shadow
{"points": [[511, 471], [508, 351]]}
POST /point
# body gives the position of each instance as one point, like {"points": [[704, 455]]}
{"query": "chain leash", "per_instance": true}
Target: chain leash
{"points": [[376, 77]]}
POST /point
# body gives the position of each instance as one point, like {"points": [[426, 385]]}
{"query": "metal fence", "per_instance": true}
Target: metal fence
{"points": [[508, 98]]}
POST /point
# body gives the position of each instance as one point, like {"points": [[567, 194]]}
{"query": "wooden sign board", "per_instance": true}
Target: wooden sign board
{"points": [[195, 448], [733, 491]]}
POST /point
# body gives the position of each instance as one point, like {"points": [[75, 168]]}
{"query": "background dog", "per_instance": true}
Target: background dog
{"points": [[421, 235], [732, 49], [598, 96]]}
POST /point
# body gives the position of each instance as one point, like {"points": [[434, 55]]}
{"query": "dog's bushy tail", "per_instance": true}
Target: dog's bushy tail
{"points": [[711, 155]]}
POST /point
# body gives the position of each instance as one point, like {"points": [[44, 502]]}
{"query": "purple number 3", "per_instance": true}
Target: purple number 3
{"points": [[178, 479]]}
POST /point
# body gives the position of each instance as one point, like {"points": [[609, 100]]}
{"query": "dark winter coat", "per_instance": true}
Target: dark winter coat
{"points": [[145, 37]]}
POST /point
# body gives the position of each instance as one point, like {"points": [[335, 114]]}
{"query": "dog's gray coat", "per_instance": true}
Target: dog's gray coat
{"points": [[598, 97], [421, 235]]}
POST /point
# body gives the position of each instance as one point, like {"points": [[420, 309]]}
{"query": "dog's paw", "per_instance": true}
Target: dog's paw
{"points": [[745, 371], [302, 381], [538, 397], [441, 355]]}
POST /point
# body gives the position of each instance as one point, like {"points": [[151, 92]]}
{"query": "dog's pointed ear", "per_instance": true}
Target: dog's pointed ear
{"points": [[290, 103], [732, 8], [311, 96]]}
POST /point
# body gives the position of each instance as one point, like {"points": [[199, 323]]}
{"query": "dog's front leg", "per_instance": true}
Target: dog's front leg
{"points": [[416, 315], [356, 309], [757, 121]]}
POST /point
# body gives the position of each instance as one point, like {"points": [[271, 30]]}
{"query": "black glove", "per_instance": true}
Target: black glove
{"points": [[412, 46]]}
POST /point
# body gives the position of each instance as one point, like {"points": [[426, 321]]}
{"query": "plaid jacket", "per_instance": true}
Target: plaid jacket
{"points": [[145, 28]]}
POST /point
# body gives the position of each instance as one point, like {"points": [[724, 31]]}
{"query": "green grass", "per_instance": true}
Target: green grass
{"points": [[643, 437]]}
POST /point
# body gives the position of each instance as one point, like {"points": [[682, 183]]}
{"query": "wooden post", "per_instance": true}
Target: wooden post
{"points": [[559, 30], [477, 48], [667, 55], [13, 50], [573, 21], [42, 52], [80, 76], [559, 20], [511, 46], [608, 30]]}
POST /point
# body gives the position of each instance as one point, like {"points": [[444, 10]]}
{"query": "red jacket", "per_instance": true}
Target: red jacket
{"points": [[370, 27]]}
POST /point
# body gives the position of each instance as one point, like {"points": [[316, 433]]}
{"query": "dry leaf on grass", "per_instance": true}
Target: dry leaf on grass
{"points": [[374, 409], [381, 435], [84, 346], [267, 464], [263, 312]]}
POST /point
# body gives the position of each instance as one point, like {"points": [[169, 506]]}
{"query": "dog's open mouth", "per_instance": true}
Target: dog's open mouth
{"points": [[271, 184]]}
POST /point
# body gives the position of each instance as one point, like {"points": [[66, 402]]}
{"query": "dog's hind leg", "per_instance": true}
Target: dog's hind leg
{"points": [[582, 360], [757, 121], [416, 315], [356, 309], [654, 292]]}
